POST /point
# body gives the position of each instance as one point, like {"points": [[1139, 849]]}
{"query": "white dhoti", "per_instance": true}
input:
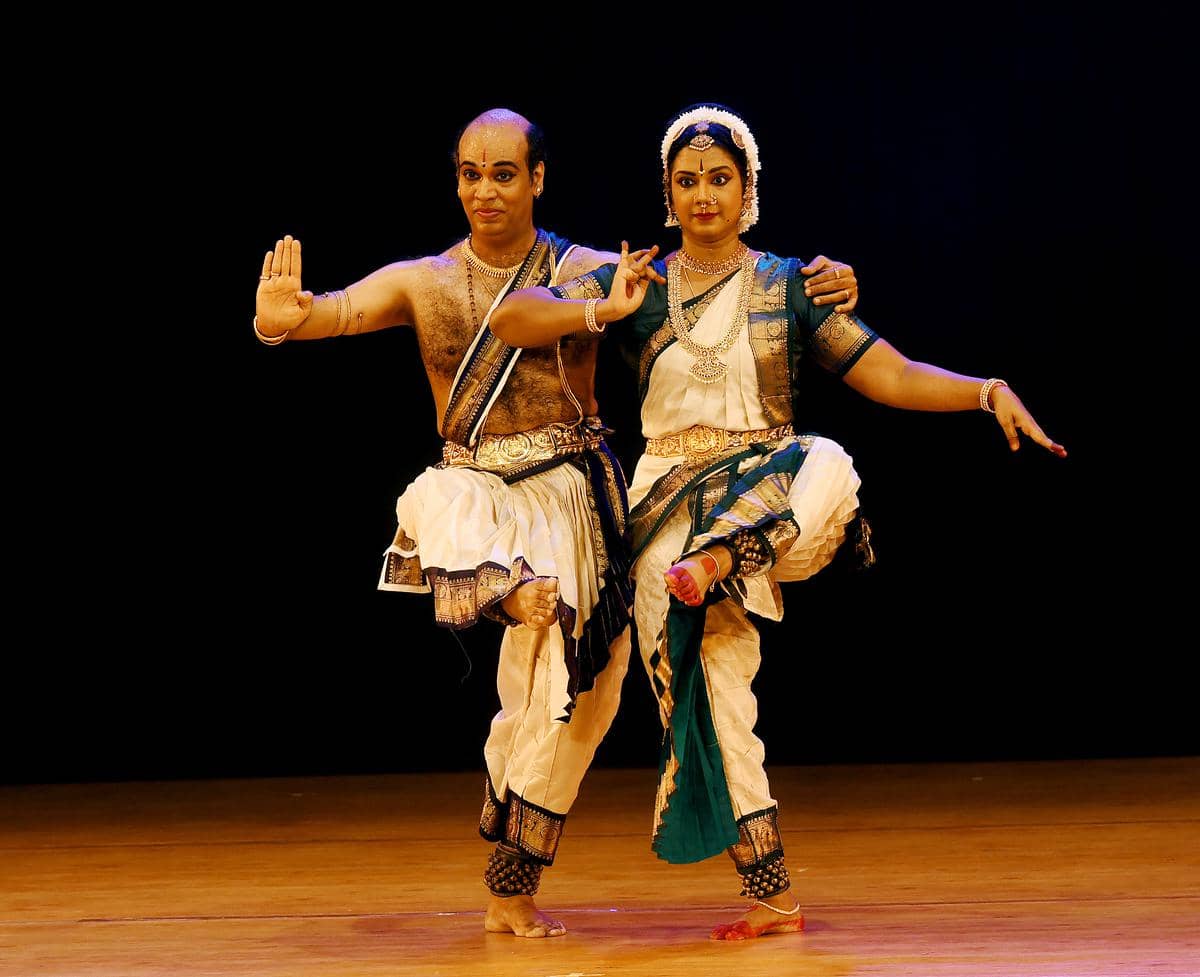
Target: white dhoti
{"points": [[471, 538], [527, 752]]}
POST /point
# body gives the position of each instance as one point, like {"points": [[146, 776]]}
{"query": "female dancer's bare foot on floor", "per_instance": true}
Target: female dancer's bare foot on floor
{"points": [[690, 578], [534, 602], [758, 921], [518, 914]]}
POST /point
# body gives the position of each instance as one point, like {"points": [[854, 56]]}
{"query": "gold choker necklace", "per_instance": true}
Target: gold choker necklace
{"points": [[483, 267], [723, 267]]}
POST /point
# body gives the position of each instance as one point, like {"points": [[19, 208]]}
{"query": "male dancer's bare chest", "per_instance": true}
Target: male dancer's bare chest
{"points": [[445, 328], [448, 318]]}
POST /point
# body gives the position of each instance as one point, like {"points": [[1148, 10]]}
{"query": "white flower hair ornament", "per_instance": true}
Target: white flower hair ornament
{"points": [[742, 138]]}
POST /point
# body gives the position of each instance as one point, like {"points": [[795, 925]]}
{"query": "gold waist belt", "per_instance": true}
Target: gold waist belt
{"points": [[699, 441], [502, 452]]}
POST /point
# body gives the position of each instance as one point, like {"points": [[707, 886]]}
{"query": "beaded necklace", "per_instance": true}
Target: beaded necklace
{"points": [[722, 267], [481, 266]]}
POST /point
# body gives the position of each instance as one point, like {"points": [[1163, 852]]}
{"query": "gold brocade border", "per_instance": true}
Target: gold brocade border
{"points": [[837, 340], [661, 677], [761, 507], [768, 335], [666, 493], [759, 841], [616, 505], [532, 830], [474, 390], [662, 338], [768, 499], [403, 571], [712, 490], [460, 596], [614, 485], [583, 287], [666, 788]]}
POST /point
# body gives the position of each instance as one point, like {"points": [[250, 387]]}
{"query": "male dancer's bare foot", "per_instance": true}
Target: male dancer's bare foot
{"points": [[534, 603], [759, 921], [691, 576], [518, 914]]}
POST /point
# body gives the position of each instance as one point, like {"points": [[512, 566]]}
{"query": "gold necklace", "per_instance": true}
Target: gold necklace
{"points": [[707, 368], [481, 266], [722, 267]]}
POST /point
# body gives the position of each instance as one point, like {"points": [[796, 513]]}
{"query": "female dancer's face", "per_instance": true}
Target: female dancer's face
{"points": [[706, 192]]}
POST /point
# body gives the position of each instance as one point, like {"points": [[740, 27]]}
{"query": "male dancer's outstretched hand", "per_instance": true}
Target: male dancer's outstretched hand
{"points": [[280, 304]]}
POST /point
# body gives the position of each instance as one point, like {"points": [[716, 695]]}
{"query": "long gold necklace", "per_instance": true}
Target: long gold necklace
{"points": [[707, 368]]}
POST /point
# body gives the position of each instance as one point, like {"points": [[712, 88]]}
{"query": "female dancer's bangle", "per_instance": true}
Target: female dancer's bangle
{"points": [[985, 393]]}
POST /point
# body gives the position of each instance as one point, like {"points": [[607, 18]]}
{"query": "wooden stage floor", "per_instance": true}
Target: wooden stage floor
{"points": [[942, 870]]}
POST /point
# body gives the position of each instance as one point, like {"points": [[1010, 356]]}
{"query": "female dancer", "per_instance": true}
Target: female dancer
{"points": [[728, 500]]}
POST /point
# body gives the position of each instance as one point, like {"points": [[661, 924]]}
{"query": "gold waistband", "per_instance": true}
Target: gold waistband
{"points": [[699, 441], [503, 452]]}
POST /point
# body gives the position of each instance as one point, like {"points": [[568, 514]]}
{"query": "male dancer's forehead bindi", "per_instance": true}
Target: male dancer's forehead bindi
{"points": [[507, 145]]}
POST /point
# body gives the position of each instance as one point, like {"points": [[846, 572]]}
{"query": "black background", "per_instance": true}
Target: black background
{"points": [[212, 605]]}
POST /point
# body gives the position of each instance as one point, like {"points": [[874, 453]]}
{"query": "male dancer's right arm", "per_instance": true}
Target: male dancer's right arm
{"points": [[283, 308]]}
